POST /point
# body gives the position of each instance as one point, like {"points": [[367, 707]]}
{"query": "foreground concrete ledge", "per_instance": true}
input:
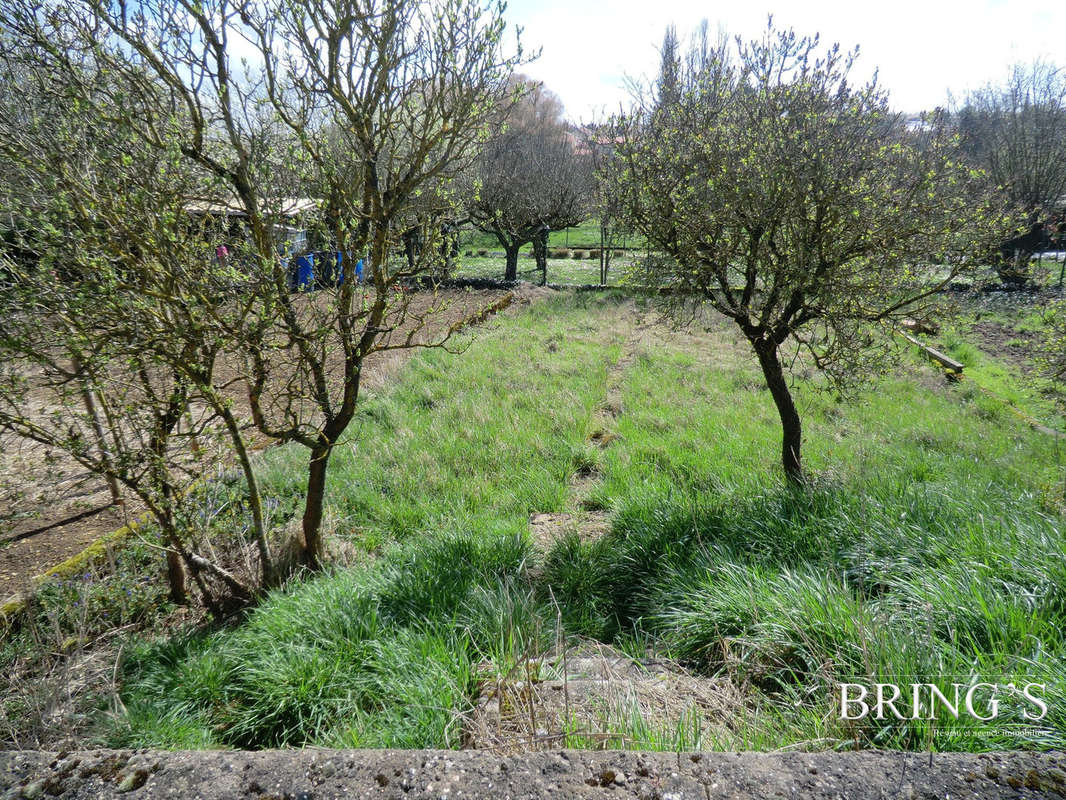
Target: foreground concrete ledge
{"points": [[437, 774]]}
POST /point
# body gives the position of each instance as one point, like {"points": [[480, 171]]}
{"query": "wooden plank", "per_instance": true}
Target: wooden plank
{"points": [[950, 364]]}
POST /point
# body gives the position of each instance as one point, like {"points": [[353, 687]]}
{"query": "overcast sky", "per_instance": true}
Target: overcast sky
{"points": [[922, 49]]}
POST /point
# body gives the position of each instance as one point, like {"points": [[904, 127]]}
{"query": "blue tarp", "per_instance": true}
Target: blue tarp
{"points": [[305, 272]]}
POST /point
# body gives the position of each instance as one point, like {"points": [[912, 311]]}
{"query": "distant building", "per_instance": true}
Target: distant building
{"points": [[290, 209]]}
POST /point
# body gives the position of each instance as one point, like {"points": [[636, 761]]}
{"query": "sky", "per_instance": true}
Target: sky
{"points": [[922, 50]]}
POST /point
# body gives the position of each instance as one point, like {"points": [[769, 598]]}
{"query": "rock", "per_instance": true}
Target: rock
{"points": [[134, 779]]}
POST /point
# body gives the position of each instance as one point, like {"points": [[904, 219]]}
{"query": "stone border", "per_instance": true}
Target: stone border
{"points": [[323, 774]]}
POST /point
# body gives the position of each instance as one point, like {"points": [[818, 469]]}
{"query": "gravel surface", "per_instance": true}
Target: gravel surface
{"points": [[439, 774]]}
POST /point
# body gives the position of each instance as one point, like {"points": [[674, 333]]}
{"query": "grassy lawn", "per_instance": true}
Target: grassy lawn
{"points": [[585, 236], [560, 270], [928, 547]]}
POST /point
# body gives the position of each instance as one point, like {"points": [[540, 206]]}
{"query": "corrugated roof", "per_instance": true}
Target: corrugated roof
{"points": [[286, 206]]}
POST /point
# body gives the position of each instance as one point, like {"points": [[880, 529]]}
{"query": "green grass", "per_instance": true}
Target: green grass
{"points": [[373, 657], [928, 547], [581, 237], [789, 593], [560, 270], [478, 441], [1030, 393]]}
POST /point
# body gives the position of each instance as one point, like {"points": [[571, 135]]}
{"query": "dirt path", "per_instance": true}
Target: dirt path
{"points": [[410, 774], [51, 509], [580, 516]]}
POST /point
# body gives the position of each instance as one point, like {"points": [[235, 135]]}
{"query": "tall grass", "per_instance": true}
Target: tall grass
{"points": [[380, 656], [927, 548], [475, 441], [924, 548]]}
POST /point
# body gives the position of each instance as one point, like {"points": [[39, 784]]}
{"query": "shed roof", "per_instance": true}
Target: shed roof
{"points": [[286, 206]]}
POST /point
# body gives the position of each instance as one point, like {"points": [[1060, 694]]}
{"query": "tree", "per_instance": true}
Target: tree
{"points": [[668, 85], [604, 202], [99, 358], [1017, 133], [794, 203], [529, 179], [370, 104]]}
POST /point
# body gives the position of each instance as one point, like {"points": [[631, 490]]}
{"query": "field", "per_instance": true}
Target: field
{"points": [[575, 534], [572, 257], [585, 236], [51, 508]]}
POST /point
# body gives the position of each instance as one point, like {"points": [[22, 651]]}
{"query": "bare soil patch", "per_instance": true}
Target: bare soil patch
{"points": [[43, 490], [1004, 342]]}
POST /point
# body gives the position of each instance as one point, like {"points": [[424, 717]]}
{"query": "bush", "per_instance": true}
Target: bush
{"points": [[559, 253], [580, 254]]}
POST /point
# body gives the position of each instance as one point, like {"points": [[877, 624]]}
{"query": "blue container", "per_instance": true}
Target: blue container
{"points": [[359, 271], [339, 277], [305, 272]]}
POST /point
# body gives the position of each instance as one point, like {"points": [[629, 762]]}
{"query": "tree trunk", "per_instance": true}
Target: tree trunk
{"points": [[540, 250], [312, 519], [791, 432], [180, 566], [605, 254], [411, 247], [255, 500], [512, 262], [179, 594]]}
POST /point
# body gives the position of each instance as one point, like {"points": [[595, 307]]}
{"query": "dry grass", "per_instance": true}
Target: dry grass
{"points": [[593, 695]]}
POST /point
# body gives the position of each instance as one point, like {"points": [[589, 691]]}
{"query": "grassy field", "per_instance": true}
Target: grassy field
{"points": [[577, 272], [573, 257], [585, 236], [928, 548]]}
